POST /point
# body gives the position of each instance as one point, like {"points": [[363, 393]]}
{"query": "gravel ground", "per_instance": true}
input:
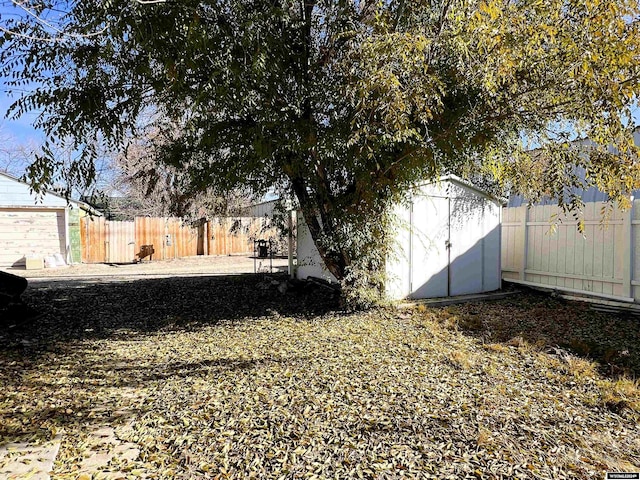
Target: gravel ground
{"points": [[203, 265]]}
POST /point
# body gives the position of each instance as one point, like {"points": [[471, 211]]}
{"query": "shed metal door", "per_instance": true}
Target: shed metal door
{"points": [[466, 246], [428, 263], [447, 250]]}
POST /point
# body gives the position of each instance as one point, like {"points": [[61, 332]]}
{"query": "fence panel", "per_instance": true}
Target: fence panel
{"points": [[183, 239], [598, 262], [150, 231], [93, 236], [513, 243], [235, 235], [118, 242]]}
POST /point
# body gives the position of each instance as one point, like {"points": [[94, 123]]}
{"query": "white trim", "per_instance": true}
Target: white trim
{"points": [[35, 207]]}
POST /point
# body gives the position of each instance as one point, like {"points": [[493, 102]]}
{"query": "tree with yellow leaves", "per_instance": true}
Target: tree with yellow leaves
{"points": [[342, 103]]}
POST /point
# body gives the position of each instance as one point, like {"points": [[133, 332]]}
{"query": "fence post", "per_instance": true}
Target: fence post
{"points": [[627, 221], [524, 230]]}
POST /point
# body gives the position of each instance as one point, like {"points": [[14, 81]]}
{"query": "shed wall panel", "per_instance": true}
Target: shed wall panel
{"points": [[310, 263], [30, 232], [492, 241], [397, 266]]}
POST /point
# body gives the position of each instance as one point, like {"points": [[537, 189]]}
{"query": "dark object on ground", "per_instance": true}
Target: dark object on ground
{"points": [[17, 313], [11, 287], [324, 283], [12, 309], [146, 251]]}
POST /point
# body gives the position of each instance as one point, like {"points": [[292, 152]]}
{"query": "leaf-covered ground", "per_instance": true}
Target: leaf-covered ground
{"points": [[226, 377]]}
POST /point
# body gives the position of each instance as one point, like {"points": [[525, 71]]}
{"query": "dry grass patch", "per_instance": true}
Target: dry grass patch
{"points": [[621, 394], [542, 322]]}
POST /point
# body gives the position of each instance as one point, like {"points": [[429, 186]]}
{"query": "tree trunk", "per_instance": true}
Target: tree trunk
{"points": [[336, 260], [317, 207]]}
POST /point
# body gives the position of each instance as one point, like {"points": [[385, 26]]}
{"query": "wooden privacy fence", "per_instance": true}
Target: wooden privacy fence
{"points": [[605, 261], [105, 241]]}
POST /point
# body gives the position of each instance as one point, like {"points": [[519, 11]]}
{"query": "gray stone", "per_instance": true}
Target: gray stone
{"points": [[22, 460]]}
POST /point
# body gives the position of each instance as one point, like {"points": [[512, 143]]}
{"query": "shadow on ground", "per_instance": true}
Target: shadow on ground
{"points": [[81, 309], [546, 323], [56, 371]]}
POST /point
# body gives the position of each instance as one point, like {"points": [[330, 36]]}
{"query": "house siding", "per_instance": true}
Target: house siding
{"points": [[36, 225], [30, 232]]}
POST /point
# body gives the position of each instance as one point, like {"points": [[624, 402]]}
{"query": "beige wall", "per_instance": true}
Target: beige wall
{"points": [[31, 232]]}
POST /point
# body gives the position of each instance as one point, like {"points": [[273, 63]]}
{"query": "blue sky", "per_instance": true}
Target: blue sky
{"points": [[19, 129]]}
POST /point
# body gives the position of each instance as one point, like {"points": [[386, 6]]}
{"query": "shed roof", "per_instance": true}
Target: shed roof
{"points": [[13, 199], [465, 184]]}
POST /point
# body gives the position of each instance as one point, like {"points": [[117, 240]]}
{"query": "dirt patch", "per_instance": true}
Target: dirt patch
{"points": [[544, 322], [202, 265]]}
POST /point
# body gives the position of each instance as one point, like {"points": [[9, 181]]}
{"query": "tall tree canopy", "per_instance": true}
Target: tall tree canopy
{"points": [[344, 103]]}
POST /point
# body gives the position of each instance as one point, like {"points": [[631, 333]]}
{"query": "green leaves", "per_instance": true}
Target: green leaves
{"points": [[343, 103]]}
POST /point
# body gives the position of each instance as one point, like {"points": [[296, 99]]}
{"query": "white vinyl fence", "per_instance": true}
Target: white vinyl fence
{"points": [[605, 261]]}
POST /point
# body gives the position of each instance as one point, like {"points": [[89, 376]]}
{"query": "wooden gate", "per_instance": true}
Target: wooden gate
{"points": [[120, 242]]}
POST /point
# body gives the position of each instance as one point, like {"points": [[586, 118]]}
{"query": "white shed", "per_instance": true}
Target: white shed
{"points": [[448, 243], [36, 227]]}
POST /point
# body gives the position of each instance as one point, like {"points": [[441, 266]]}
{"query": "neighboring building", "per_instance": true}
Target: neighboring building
{"points": [[448, 243], [261, 209], [118, 209], [37, 227]]}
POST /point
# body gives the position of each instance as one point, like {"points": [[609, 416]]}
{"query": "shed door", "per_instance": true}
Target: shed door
{"points": [[30, 232], [428, 250], [447, 250], [466, 244]]}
